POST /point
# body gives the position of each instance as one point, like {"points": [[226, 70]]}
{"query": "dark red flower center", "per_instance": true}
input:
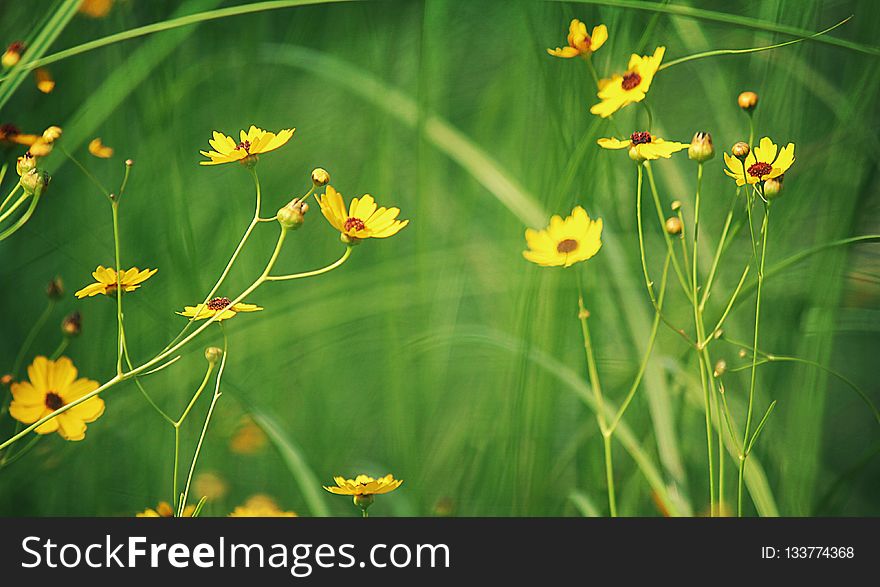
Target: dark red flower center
{"points": [[54, 401], [16, 47], [354, 224], [640, 138], [246, 145], [567, 246], [218, 304], [760, 169], [631, 80], [9, 130]]}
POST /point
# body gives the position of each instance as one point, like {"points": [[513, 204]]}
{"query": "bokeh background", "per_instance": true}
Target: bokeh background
{"points": [[441, 355]]}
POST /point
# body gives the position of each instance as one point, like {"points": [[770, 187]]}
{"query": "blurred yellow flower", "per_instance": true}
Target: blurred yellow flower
{"points": [[105, 281], [10, 134], [253, 142], [163, 510], [248, 439], [260, 506], [364, 219], [45, 82], [210, 485], [565, 242], [761, 163], [579, 42], [619, 90], [364, 485], [219, 307], [95, 8], [645, 146], [12, 55], [99, 149], [53, 385]]}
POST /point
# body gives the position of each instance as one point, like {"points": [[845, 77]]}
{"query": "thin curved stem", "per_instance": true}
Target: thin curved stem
{"points": [[114, 205], [11, 195], [15, 206], [330, 267], [179, 422], [675, 265]]}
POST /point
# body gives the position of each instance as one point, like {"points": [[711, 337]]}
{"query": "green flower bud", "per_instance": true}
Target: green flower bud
{"points": [[741, 150], [673, 225], [25, 163], [35, 181], [773, 187], [701, 149], [213, 354], [293, 214], [320, 177]]}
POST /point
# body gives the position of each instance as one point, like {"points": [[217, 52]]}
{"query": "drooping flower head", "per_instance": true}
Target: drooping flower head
{"points": [[51, 386], [644, 146], [253, 142], [223, 308], [105, 281], [632, 86], [579, 42], [363, 218], [766, 161], [565, 242]]}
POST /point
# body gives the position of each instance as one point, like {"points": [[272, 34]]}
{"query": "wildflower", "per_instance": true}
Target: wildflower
{"points": [[12, 55], [43, 144], [364, 218], [747, 101], [673, 225], [252, 143], [642, 146], [579, 42], [248, 439], [210, 485], [35, 181], [51, 386], [95, 8], [293, 214], [761, 163], [99, 149], [25, 164], [72, 324], [620, 90], [260, 506], [320, 177], [12, 135], [701, 148], [45, 82], [105, 281], [52, 134], [565, 242], [362, 488], [163, 510], [219, 307]]}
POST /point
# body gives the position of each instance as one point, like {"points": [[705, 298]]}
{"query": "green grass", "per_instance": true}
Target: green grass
{"points": [[440, 355]]}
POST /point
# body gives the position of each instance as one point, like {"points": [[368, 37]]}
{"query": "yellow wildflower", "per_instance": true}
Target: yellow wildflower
{"points": [[249, 438], [761, 163], [364, 485], [105, 281], [579, 42], [565, 242], [51, 386], [163, 510], [260, 506], [253, 142], [364, 219], [632, 86], [219, 307], [643, 145], [99, 149]]}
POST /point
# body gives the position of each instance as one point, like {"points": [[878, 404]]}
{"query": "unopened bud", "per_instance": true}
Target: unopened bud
{"points": [[35, 181], [129, 162], [740, 150], [747, 101], [320, 177], [293, 214], [720, 368], [72, 324], [742, 353], [12, 55], [676, 205], [55, 289], [673, 225], [6, 380], [25, 163], [773, 187], [213, 354], [701, 148]]}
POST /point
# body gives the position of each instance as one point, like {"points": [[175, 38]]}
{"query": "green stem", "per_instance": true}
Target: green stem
{"points": [[15, 206], [22, 219], [11, 195], [718, 251], [114, 205], [669, 245], [29, 340], [60, 348], [179, 422]]}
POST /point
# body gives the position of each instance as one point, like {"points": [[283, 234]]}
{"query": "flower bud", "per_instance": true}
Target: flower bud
{"points": [[25, 163], [742, 353], [35, 181], [740, 150], [363, 501], [673, 225], [720, 368], [55, 289], [773, 187], [13, 54], [293, 214], [52, 134], [129, 162], [213, 354], [635, 155], [701, 148], [747, 101], [676, 205], [72, 324], [320, 177], [6, 380]]}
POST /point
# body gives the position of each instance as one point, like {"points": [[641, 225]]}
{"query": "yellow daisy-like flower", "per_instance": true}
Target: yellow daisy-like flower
{"points": [[163, 510], [364, 219], [622, 89], [364, 485], [219, 307], [51, 386], [761, 163], [579, 42], [565, 242], [643, 146], [99, 149], [261, 506], [253, 142], [105, 278]]}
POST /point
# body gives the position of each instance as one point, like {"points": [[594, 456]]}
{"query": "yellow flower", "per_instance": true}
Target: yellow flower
{"points": [[364, 485], [645, 146], [99, 149], [53, 385], [565, 242], [761, 163], [10, 134], [364, 218], [45, 82], [248, 439], [260, 506], [163, 510], [619, 90], [217, 307], [253, 142], [105, 278], [579, 42]]}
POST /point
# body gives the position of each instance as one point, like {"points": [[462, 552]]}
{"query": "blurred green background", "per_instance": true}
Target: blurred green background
{"points": [[441, 355]]}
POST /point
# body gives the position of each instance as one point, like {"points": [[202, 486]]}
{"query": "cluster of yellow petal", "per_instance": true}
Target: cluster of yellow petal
{"points": [[105, 281], [632, 86], [261, 506], [363, 219], [364, 485], [253, 142], [565, 241], [579, 42], [766, 161]]}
